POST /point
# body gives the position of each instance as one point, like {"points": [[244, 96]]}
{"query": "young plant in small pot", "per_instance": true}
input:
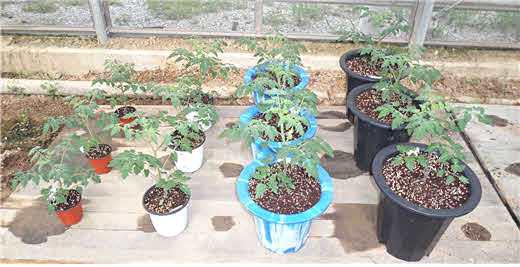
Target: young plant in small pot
{"points": [[187, 95], [380, 109], [362, 66], [167, 201], [63, 179], [285, 192], [121, 76], [279, 66], [271, 124], [423, 187], [84, 113]]}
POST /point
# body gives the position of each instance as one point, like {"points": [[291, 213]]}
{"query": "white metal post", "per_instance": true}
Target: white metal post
{"points": [[259, 14], [98, 17], [421, 17]]}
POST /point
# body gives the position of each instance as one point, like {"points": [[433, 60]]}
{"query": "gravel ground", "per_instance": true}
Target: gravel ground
{"points": [[282, 17], [12, 14]]}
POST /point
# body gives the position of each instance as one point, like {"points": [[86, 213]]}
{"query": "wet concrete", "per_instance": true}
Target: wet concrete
{"points": [[331, 115], [229, 169], [144, 224], [337, 128], [475, 231], [498, 121], [222, 223], [513, 168], [341, 166], [354, 226], [34, 224]]}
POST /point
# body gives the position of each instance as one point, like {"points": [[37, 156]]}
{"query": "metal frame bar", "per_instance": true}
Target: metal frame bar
{"points": [[421, 16], [103, 24]]}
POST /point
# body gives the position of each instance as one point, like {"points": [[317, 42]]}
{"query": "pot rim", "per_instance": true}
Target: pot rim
{"points": [[175, 210], [343, 64], [242, 190], [250, 112], [470, 204], [302, 74], [351, 104]]}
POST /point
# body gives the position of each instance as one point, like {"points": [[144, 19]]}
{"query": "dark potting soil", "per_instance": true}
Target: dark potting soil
{"points": [[157, 201], [362, 66], [274, 122], [426, 189], [73, 198], [122, 111], [295, 77], [98, 151], [368, 101], [196, 139], [204, 97], [306, 192]]}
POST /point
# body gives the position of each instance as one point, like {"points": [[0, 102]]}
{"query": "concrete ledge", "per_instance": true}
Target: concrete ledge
{"points": [[78, 61]]}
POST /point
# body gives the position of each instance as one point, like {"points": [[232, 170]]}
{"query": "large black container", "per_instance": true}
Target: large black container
{"points": [[353, 79], [370, 136], [410, 231]]}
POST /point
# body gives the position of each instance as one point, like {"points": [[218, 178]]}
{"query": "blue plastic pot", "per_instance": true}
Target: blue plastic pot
{"points": [[251, 73], [258, 150], [277, 232]]}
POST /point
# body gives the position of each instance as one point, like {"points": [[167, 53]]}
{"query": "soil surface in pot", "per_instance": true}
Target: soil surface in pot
{"points": [[73, 198], [295, 77], [123, 111], [306, 192], [291, 133], [196, 140], [204, 98], [426, 189], [368, 102], [155, 200], [362, 66], [98, 151]]}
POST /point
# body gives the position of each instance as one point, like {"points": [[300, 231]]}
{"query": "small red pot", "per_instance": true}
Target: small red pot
{"points": [[123, 121], [72, 215], [101, 165]]}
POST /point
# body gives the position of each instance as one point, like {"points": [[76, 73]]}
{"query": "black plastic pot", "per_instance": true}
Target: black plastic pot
{"points": [[370, 136], [353, 79], [410, 231]]}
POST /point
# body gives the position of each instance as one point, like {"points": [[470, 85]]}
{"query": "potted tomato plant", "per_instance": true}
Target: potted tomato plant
{"points": [[285, 192], [279, 66], [122, 77], [423, 187], [167, 201], [364, 65], [380, 109], [85, 112], [276, 121], [64, 180]]}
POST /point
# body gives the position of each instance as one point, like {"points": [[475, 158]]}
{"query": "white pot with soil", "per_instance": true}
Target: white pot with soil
{"points": [[190, 161], [168, 212]]}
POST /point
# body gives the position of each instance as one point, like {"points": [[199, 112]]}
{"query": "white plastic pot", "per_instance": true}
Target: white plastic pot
{"points": [[190, 161], [171, 224], [194, 117]]}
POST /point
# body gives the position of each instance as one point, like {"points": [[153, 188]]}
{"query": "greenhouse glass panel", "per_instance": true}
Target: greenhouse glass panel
{"points": [[184, 15], [74, 13]]}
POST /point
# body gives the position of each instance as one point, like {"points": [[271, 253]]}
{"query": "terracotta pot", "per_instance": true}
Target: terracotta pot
{"points": [[123, 121], [71, 216], [101, 165]]}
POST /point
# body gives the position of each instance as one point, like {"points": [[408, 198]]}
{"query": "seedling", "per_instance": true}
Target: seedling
{"points": [[54, 167], [437, 122]]}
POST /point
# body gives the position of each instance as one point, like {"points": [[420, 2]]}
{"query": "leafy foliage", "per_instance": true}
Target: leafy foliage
{"points": [[54, 168], [122, 77]]}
